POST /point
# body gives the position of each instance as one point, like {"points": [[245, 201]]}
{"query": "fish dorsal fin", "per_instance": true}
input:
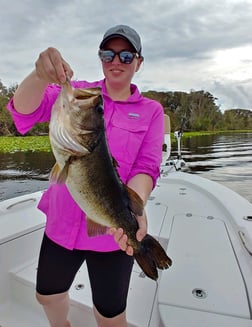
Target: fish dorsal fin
{"points": [[94, 229], [136, 203], [58, 175]]}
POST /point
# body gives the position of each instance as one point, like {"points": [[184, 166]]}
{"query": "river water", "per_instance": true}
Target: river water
{"points": [[225, 158]]}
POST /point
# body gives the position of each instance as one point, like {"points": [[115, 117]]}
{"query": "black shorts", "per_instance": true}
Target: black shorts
{"points": [[109, 274]]}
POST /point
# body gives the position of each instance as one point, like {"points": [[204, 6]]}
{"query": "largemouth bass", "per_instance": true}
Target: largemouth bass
{"points": [[84, 163]]}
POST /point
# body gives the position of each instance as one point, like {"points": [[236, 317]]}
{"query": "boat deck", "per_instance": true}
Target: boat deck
{"points": [[197, 221]]}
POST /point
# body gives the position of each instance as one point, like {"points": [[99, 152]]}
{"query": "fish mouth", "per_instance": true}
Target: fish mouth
{"points": [[84, 98], [84, 94], [73, 121]]}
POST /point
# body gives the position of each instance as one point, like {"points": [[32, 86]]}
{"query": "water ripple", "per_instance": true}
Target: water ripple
{"points": [[226, 159]]}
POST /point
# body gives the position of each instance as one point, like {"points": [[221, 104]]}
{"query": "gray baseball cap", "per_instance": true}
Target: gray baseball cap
{"points": [[124, 32]]}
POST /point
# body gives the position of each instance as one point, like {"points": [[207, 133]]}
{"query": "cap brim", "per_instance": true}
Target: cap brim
{"points": [[113, 36]]}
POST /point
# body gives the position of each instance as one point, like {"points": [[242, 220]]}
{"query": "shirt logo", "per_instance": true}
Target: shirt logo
{"points": [[133, 115]]}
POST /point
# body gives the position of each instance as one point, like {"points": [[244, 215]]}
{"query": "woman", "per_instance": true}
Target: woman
{"points": [[135, 129]]}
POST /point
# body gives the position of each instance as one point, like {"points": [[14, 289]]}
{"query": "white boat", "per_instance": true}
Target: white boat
{"points": [[206, 229]]}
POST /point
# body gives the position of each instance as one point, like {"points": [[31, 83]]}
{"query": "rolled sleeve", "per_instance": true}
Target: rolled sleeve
{"points": [[24, 122]]}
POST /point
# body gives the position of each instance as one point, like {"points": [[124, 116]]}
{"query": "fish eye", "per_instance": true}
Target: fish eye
{"points": [[99, 109]]}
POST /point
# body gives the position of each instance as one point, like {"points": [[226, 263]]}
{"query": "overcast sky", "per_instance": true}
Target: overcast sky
{"points": [[187, 45]]}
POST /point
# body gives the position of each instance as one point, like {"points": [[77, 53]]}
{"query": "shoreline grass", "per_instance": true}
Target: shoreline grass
{"points": [[11, 144]]}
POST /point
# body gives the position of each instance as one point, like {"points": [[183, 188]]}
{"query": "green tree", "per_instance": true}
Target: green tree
{"points": [[235, 119], [6, 122]]}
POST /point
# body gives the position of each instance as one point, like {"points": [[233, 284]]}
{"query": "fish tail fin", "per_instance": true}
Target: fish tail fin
{"points": [[151, 256]]}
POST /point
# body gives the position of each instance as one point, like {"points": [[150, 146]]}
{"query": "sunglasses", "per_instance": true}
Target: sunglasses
{"points": [[126, 57]]}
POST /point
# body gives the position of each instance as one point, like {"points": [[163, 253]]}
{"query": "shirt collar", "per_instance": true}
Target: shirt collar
{"points": [[134, 97]]}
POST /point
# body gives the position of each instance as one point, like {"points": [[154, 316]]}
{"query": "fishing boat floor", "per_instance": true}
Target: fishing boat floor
{"points": [[20, 238], [207, 285], [16, 315], [24, 311]]}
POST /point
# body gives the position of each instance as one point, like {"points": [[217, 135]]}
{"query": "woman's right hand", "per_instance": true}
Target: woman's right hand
{"points": [[52, 68]]}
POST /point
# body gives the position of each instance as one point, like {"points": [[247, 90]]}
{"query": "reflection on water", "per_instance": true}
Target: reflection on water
{"points": [[24, 172], [225, 158]]}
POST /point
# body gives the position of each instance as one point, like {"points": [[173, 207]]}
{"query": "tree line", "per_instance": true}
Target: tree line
{"points": [[197, 108], [200, 111]]}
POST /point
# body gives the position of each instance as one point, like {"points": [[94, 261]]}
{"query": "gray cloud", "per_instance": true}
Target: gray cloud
{"points": [[195, 29], [233, 95], [180, 40]]}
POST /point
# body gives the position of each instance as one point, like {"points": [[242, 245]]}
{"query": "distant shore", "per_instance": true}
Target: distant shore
{"points": [[42, 143]]}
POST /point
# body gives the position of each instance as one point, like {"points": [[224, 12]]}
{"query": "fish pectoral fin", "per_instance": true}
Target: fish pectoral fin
{"points": [[94, 229], [136, 203], [58, 175]]}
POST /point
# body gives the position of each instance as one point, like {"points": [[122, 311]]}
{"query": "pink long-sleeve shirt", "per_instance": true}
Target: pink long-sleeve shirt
{"points": [[135, 131]]}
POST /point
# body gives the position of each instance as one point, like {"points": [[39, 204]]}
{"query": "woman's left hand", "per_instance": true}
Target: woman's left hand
{"points": [[122, 239]]}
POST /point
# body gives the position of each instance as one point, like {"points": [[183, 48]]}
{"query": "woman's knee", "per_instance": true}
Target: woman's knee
{"points": [[51, 299], [118, 320]]}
